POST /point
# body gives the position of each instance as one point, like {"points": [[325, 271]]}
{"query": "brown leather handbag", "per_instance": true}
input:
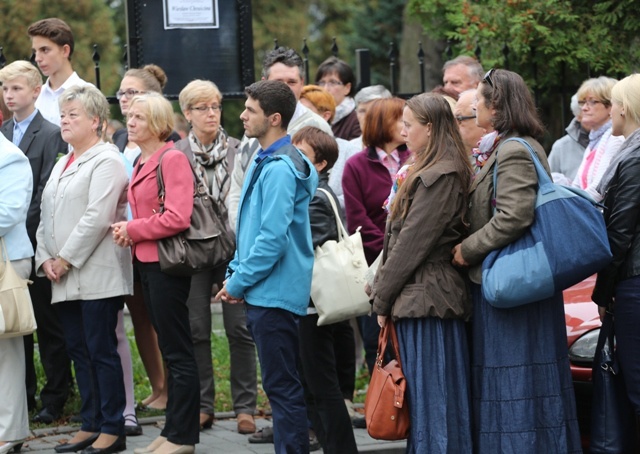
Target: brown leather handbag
{"points": [[385, 410], [205, 244]]}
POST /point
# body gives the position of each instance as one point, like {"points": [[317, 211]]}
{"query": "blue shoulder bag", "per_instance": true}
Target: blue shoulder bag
{"points": [[566, 243]]}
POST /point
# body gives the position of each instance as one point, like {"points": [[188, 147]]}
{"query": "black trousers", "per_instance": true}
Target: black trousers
{"points": [[166, 299], [53, 351], [325, 404]]}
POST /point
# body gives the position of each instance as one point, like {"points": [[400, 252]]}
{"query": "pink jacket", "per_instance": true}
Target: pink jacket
{"points": [[148, 225]]}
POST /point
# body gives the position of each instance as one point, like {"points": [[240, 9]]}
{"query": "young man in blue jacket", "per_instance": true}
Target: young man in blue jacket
{"points": [[272, 267]]}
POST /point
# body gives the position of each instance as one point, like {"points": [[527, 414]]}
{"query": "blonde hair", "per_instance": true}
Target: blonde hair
{"points": [[92, 101], [320, 98], [627, 94], [599, 87], [198, 91], [21, 68], [158, 111]]}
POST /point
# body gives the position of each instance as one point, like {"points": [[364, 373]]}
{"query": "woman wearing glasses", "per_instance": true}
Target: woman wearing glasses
{"points": [[594, 98], [522, 392], [212, 151], [148, 79], [336, 76]]}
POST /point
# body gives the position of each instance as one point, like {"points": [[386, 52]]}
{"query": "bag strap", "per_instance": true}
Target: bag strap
{"points": [[199, 187], [607, 333], [543, 178], [389, 330], [342, 232]]}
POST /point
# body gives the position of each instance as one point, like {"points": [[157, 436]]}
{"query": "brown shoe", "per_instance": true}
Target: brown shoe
{"points": [[206, 421], [246, 425]]}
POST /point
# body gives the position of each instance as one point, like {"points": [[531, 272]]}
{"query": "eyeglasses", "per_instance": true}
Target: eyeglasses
{"points": [[330, 83], [487, 77], [462, 118], [590, 102], [130, 93], [203, 109]]}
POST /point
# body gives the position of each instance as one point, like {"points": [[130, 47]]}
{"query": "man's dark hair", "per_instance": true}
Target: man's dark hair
{"points": [[54, 29], [284, 55], [274, 96], [334, 65]]}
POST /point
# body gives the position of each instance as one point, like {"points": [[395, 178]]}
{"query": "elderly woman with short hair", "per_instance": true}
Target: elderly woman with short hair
{"points": [[149, 124], [85, 194], [213, 153], [594, 98]]}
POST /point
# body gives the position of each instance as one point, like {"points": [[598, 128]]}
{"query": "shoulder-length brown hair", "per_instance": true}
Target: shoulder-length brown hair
{"points": [[380, 121], [506, 93], [444, 143]]}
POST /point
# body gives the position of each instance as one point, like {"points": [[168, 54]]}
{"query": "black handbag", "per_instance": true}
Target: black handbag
{"points": [[206, 244], [611, 417]]}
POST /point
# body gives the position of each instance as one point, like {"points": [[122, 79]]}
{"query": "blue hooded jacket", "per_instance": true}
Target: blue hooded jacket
{"points": [[273, 262]]}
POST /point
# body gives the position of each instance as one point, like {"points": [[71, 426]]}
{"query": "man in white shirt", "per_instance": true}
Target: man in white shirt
{"points": [[52, 43]]}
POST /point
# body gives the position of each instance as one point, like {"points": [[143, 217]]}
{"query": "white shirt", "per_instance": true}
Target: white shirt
{"points": [[47, 102]]}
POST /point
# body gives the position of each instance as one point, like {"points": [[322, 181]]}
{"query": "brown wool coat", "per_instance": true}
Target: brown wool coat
{"points": [[416, 278]]}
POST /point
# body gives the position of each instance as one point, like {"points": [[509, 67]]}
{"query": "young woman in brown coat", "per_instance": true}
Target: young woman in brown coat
{"points": [[419, 287]]}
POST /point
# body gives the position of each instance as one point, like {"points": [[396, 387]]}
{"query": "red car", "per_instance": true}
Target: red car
{"points": [[583, 328]]}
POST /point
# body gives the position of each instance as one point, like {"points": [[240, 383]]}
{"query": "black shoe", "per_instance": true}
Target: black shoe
{"points": [[74, 447], [46, 416], [119, 445], [134, 429], [359, 422]]}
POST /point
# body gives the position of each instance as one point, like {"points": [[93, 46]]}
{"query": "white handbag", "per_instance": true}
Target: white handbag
{"points": [[16, 310], [339, 268]]}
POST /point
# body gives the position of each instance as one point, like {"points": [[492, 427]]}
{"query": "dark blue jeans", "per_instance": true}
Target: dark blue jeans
{"points": [[275, 332], [90, 335], [627, 320], [166, 299]]}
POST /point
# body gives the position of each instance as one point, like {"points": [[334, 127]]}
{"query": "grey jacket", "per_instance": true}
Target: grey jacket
{"points": [[79, 205]]}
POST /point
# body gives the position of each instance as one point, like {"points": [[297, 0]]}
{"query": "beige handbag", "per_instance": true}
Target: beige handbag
{"points": [[339, 268], [16, 310]]}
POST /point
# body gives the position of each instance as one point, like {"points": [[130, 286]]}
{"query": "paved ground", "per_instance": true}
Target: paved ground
{"points": [[221, 438]]}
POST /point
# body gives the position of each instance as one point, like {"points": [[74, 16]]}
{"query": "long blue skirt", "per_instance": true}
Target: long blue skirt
{"points": [[435, 362], [523, 399]]}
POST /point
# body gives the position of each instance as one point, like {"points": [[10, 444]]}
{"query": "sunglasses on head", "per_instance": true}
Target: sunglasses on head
{"points": [[487, 77]]}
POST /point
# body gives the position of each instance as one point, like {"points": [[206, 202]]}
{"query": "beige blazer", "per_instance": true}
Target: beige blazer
{"points": [[515, 202], [79, 205]]}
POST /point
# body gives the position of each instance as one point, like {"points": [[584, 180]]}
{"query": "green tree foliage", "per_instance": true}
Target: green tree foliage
{"points": [[553, 44], [92, 22], [550, 35]]}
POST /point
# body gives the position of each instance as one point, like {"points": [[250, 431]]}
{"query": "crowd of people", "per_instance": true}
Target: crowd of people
{"points": [[81, 218]]}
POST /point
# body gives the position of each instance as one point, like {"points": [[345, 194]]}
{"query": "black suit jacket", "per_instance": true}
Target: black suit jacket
{"points": [[41, 143]]}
